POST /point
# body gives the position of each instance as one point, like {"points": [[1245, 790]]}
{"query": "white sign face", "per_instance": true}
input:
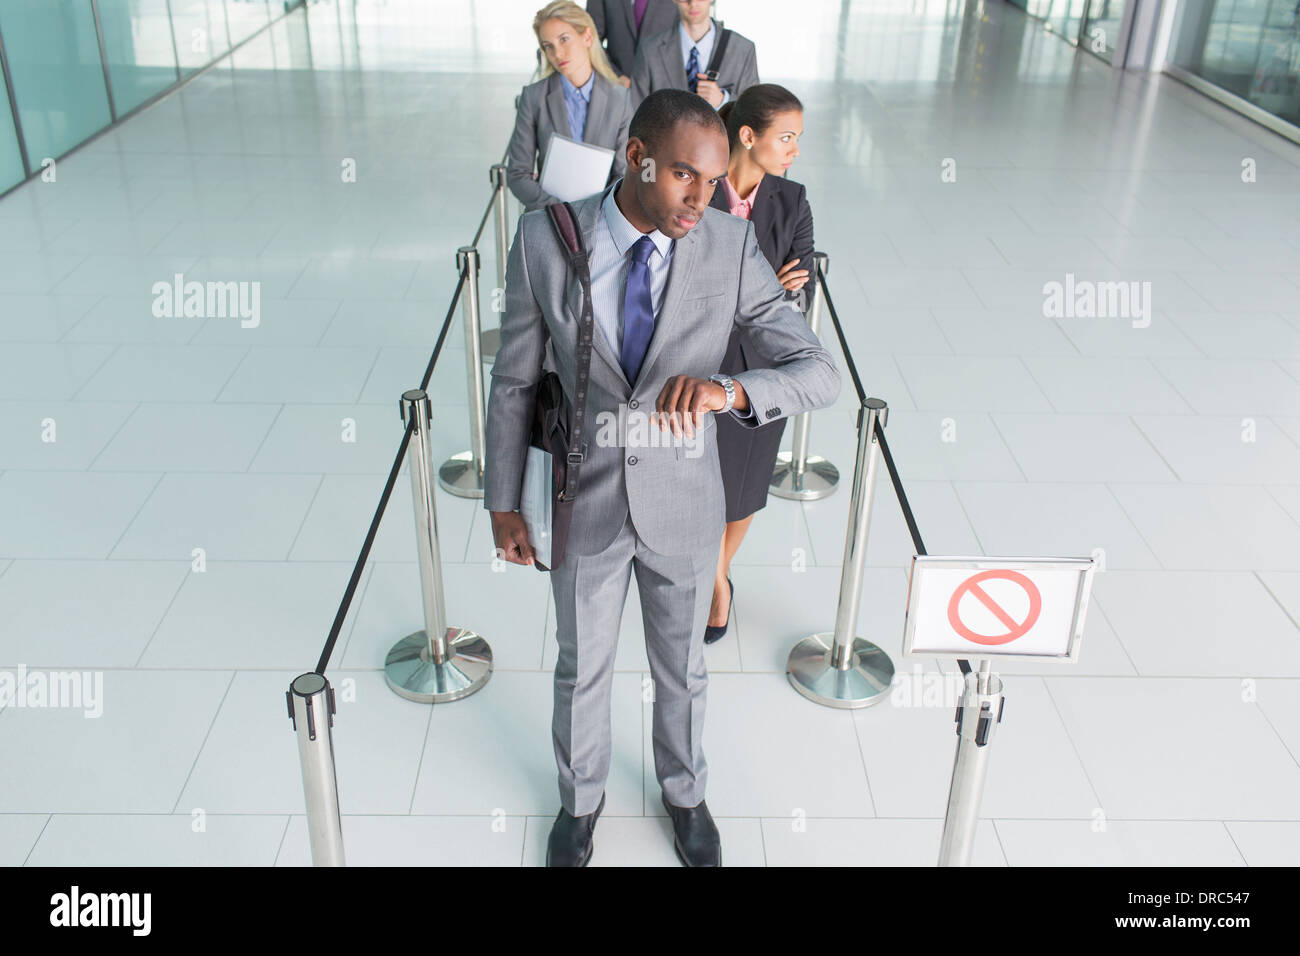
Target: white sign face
{"points": [[997, 607]]}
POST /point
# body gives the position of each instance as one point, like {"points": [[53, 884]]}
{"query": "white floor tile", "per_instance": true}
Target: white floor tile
{"points": [[180, 839], [67, 514], [1117, 843], [83, 613], [1174, 622], [1146, 744], [1215, 527], [1267, 844], [138, 752], [828, 842]]}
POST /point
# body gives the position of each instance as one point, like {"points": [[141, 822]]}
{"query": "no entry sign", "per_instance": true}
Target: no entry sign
{"points": [[996, 607]]}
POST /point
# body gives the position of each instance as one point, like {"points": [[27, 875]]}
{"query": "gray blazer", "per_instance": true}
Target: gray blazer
{"points": [[542, 111], [672, 488], [616, 25], [659, 65]]}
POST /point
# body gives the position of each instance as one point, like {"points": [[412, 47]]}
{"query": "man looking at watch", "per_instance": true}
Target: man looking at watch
{"points": [[670, 276]]}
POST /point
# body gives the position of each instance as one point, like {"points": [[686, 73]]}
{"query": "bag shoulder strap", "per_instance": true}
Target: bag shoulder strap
{"points": [[719, 50], [566, 228]]}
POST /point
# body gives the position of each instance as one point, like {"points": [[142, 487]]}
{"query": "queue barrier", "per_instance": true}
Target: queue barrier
{"points": [[439, 663], [444, 663]]}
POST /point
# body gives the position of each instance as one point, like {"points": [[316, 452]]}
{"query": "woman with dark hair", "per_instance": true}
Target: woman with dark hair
{"points": [[763, 126], [578, 96]]}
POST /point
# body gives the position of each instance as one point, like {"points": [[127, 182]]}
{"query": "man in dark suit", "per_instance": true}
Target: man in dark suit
{"points": [[621, 25]]}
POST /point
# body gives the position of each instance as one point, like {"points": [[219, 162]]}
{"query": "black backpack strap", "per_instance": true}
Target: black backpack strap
{"points": [[566, 228], [719, 51]]}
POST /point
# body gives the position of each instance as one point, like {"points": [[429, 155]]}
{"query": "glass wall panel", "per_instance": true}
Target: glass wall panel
{"points": [[57, 73], [201, 34], [246, 17], [11, 160], [138, 42], [1247, 47], [1101, 27]]}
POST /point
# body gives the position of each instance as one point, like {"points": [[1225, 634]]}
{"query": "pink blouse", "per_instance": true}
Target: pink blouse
{"points": [[740, 207]]}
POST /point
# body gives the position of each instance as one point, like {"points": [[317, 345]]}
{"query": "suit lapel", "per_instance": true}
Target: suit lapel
{"points": [[596, 108], [555, 106], [671, 54], [629, 17], [679, 280], [587, 212], [763, 213]]}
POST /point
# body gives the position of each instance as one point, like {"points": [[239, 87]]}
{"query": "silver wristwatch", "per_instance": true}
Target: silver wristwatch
{"points": [[729, 387]]}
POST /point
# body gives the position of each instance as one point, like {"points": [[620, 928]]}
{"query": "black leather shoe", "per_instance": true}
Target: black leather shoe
{"points": [[695, 835], [713, 633], [570, 843]]}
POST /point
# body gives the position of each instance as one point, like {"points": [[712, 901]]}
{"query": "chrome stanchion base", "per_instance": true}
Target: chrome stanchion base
{"points": [[412, 674], [459, 477], [818, 480], [864, 683], [489, 341]]}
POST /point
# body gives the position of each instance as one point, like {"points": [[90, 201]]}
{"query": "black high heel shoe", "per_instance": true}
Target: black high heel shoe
{"points": [[713, 633]]}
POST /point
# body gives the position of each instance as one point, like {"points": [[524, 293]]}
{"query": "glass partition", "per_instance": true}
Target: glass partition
{"points": [[1101, 27], [201, 32], [57, 74], [138, 41], [246, 17], [11, 160], [1250, 48]]}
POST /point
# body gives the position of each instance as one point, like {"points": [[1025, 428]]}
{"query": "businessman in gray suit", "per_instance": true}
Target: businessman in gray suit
{"points": [[676, 58], [670, 276], [622, 24]]}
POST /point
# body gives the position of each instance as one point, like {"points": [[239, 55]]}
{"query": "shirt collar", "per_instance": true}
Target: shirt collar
{"points": [[704, 44], [584, 91], [733, 197], [623, 232]]}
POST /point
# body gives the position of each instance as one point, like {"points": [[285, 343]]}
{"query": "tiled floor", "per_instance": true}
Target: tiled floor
{"points": [[181, 499]]}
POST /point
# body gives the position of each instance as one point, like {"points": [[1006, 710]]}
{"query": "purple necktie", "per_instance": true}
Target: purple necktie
{"points": [[639, 12], [638, 312]]}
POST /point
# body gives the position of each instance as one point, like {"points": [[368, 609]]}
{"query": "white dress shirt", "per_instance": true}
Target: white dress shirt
{"points": [[704, 46], [608, 260]]}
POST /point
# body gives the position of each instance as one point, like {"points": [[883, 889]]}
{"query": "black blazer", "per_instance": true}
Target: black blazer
{"points": [[783, 226]]}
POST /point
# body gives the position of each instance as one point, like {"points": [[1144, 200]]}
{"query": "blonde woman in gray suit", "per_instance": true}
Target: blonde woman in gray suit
{"points": [[578, 96]]}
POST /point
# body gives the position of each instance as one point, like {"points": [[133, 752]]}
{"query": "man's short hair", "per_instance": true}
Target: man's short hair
{"points": [[662, 110]]}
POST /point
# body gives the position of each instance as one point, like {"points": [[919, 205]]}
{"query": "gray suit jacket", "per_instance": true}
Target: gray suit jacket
{"points": [[541, 112], [718, 277], [616, 25], [659, 65]]}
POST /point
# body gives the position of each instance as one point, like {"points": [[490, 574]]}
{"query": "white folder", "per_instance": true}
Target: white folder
{"points": [[574, 170], [536, 500]]}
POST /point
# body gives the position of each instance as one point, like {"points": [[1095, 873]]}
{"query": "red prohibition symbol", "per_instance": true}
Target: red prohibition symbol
{"points": [[1015, 629]]}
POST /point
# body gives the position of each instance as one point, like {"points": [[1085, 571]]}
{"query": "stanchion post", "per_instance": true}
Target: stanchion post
{"points": [[490, 340], [462, 474], [838, 669], [978, 716], [796, 475], [439, 663], [311, 709]]}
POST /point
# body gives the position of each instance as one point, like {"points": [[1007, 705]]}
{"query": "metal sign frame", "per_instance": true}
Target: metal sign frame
{"points": [[1086, 567]]}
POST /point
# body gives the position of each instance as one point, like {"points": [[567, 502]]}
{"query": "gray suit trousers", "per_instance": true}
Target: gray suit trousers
{"points": [[590, 591]]}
